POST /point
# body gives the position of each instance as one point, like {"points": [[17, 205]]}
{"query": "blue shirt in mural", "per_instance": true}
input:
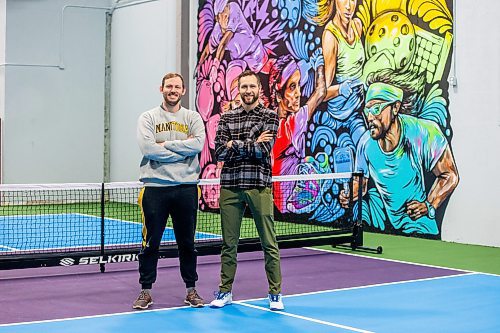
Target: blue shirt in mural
{"points": [[399, 174]]}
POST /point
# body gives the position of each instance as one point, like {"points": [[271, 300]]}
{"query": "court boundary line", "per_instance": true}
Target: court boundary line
{"points": [[106, 218], [317, 321], [93, 316], [398, 261], [216, 236], [50, 214], [96, 246], [98, 217], [140, 223], [9, 248], [368, 286], [241, 301]]}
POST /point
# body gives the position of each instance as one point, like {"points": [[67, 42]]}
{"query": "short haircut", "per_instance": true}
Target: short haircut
{"points": [[249, 73], [171, 75]]}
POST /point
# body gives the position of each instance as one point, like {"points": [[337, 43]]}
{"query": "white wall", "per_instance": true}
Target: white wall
{"points": [[3, 26], [473, 214], [53, 129], [3, 23], [143, 49]]}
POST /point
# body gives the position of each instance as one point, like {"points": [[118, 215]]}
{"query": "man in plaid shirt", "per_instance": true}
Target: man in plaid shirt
{"points": [[244, 142]]}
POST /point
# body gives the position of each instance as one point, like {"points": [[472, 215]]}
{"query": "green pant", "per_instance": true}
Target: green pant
{"points": [[232, 206]]}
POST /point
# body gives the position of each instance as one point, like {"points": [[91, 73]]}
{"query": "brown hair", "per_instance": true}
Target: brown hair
{"points": [[249, 73], [171, 75]]}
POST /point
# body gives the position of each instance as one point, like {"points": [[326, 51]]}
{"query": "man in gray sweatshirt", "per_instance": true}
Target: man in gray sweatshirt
{"points": [[170, 138]]}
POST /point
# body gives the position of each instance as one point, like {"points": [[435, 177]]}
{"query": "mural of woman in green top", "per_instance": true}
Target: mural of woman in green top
{"points": [[344, 59]]}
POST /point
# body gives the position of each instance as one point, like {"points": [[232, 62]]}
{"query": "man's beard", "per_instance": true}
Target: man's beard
{"points": [[382, 131], [170, 103], [254, 99]]}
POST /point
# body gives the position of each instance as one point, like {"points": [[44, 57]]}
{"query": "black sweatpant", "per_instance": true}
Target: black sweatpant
{"points": [[158, 203]]}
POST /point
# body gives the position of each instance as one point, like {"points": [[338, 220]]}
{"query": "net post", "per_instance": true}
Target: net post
{"points": [[351, 200], [357, 236], [358, 225], [102, 266]]}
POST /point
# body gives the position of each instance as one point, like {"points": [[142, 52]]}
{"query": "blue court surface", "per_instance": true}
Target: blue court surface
{"points": [[63, 231], [461, 303]]}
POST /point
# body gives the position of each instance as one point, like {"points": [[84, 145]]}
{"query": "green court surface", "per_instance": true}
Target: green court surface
{"points": [[431, 252]]}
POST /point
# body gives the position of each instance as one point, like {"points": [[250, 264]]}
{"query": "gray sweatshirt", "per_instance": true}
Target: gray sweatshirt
{"points": [[176, 160]]}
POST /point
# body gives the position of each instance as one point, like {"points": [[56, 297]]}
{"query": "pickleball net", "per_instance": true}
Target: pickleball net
{"points": [[58, 224]]}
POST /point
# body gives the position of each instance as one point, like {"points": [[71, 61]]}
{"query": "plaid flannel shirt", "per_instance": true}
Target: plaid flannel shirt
{"points": [[247, 164]]}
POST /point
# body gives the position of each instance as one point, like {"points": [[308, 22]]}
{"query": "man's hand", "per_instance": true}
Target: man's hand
{"points": [[265, 136], [344, 199], [344, 195], [229, 144], [345, 88], [416, 209]]}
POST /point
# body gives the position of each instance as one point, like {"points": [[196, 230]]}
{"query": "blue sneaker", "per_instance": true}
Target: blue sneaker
{"points": [[221, 299], [276, 302]]}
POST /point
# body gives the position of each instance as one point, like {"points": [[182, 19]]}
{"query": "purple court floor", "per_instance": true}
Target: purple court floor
{"points": [[67, 292]]}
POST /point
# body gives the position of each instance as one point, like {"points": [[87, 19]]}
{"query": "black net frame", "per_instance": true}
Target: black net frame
{"points": [[80, 224]]}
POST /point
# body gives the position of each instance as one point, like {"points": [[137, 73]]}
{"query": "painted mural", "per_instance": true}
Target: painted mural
{"points": [[358, 85]]}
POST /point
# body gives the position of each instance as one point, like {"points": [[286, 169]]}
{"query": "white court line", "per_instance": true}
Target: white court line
{"points": [[92, 317], [97, 218], [306, 318], [399, 261], [216, 236], [185, 307], [106, 218], [383, 284], [9, 248], [368, 286], [32, 215], [236, 302], [346, 289], [92, 246]]}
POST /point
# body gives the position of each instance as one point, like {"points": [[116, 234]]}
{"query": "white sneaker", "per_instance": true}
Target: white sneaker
{"points": [[276, 302], [222, 299]]}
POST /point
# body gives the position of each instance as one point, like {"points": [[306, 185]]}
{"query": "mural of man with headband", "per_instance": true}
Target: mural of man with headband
{"points": [[397, 152], [233, 33], [289, 148]]}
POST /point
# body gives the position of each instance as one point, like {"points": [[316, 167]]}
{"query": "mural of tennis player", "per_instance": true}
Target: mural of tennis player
{"points": [[398, 152], [289, 148], [344, 58], [232, 33]]}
